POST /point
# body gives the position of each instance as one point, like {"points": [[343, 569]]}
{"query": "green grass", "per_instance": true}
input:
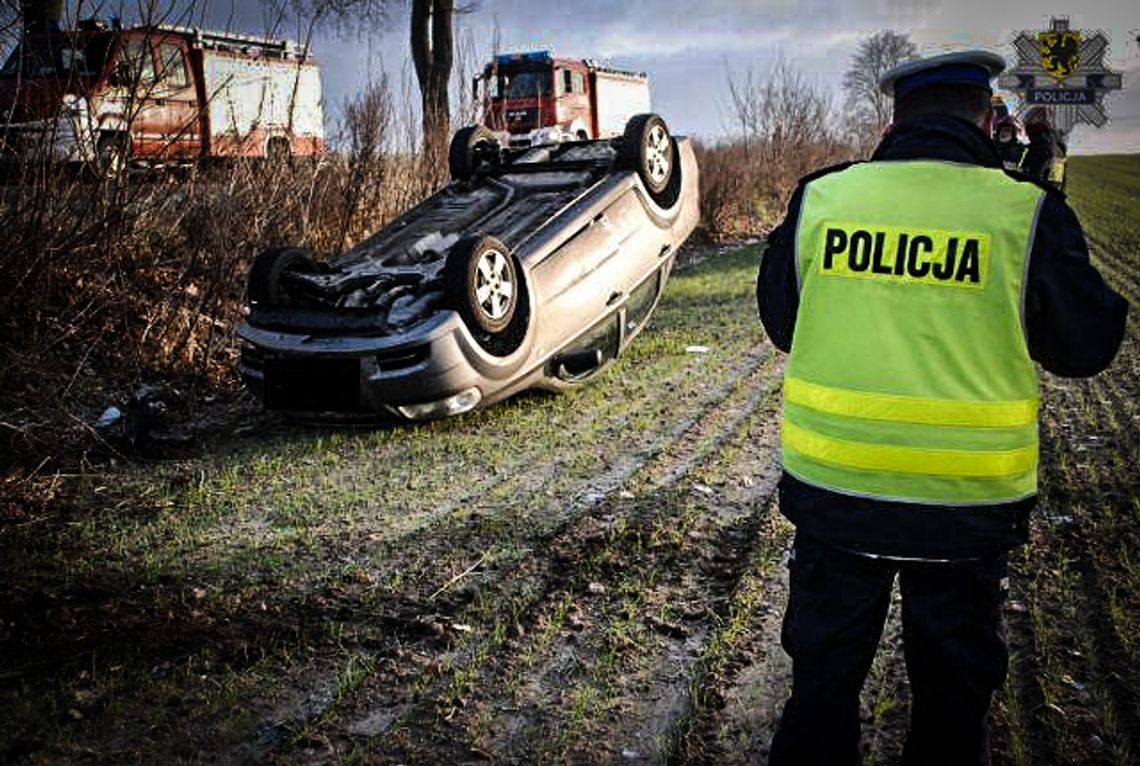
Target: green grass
{"points": [[443, 572], [1072, 695], [286, 533]]}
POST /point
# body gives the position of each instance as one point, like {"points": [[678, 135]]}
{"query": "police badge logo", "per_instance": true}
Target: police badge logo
{"points": [[1060, 52], [1063, 70]]}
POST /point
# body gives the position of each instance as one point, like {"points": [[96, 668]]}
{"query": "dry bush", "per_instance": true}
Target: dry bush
{"points": [[109, 283], [786, 127], [727, 181]]}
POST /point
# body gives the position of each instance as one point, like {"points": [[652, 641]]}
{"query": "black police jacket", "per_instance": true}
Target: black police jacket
{"points": [[1074, 325], [1044, 149]]}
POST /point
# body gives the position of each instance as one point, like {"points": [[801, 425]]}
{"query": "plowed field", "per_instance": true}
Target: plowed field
{"points": [[596, 577]]}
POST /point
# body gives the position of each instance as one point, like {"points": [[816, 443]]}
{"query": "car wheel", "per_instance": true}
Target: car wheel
{"points": [[264, 283], [647, 148], [483, 284], [469, 148], [112, 155]]}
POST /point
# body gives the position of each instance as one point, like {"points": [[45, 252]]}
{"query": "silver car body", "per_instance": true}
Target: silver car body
{"points": [[594, 251]]}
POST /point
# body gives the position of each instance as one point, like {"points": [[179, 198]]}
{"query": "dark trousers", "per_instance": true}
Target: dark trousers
{"points": [[954, 651]]}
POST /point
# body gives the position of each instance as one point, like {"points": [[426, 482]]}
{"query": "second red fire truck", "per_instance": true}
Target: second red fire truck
{"points": [[537, 98]]}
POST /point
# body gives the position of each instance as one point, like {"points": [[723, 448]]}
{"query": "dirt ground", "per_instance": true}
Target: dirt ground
{"points": [[596, 577]]}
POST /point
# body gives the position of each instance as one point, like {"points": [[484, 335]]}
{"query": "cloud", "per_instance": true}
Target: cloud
{"points": [[688, 48], [629, 42]]}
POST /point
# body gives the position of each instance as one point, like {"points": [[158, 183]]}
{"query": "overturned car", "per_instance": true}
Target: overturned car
{"points": [[533, 269]]}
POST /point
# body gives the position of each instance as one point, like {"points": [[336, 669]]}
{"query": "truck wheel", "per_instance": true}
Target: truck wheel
{"points": [[470, 147], [482, 282], [647, 148], [264, 283], [112, 154]]}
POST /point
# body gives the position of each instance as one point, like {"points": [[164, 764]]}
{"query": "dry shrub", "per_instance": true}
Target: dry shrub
{"points": [[108, 283], [786, 128], [727, 181]]}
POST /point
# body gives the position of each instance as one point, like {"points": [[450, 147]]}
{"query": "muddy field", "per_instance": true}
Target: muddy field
{"points": [[591, 578]]}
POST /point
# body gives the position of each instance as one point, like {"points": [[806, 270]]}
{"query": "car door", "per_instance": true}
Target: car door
{"points": [[591, 273], [128, 102], [176, 113], [573, 102]]}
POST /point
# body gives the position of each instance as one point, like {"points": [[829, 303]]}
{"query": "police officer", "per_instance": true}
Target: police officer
{"points": [[914, 293]]}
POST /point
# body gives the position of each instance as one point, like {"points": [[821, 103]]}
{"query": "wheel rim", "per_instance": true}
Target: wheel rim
{"points": [[658, 155], [494, 286]]}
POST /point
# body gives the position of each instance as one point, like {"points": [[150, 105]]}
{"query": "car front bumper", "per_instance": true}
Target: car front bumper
{"points": [[437, 369]]}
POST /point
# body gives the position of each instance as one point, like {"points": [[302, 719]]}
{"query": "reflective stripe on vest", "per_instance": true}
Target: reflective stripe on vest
{"points": [[909, 377]]}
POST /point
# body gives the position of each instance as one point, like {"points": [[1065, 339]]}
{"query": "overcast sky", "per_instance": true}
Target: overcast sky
{"points": [[689, 48]]}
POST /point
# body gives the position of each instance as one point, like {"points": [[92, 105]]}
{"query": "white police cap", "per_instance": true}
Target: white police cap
{"points": [[967, 67]]}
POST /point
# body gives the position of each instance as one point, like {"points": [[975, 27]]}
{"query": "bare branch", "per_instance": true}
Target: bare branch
{"points": [[867, 107]]}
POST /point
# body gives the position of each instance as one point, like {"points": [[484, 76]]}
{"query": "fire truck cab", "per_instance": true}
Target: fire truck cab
{"points": [[105, 93], [535, 98]]}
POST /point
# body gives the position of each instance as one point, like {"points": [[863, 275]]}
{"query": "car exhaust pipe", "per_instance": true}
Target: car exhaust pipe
{"points": [[575, 364]]}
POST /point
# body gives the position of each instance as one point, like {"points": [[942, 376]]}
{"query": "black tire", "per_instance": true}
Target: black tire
{"points": [[468, 150], [264, 283], [647, 148], [483, 283]]}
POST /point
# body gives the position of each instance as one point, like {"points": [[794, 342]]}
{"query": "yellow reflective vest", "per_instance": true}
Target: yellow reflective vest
{"points": [[909, 377]]}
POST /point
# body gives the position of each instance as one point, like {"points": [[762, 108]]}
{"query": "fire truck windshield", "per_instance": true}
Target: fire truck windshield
{"points": [[527, 84], [57, 57]]}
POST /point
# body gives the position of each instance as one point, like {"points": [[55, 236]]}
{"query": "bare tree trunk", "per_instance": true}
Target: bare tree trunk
{"points": [[432, 54]]}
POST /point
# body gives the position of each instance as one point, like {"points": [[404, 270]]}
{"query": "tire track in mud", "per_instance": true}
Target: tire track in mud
{"points": [[524, 587], [529, 475], [532, 503], [738, 681], [402, 617], [641, 621], [492, 488]]}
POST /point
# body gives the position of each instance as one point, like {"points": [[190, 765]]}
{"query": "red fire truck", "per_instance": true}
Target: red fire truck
{"points": [[111, 94], [537, 98]]}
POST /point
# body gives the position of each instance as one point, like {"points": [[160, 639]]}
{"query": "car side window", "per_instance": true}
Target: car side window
{"points": [[603, 338], [135, 64], [579, 83], [567, 81], [172, 65], [640, 303]]}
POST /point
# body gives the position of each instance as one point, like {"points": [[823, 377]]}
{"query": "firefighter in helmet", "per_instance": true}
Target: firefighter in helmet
{"points": [[1007, 136]]}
